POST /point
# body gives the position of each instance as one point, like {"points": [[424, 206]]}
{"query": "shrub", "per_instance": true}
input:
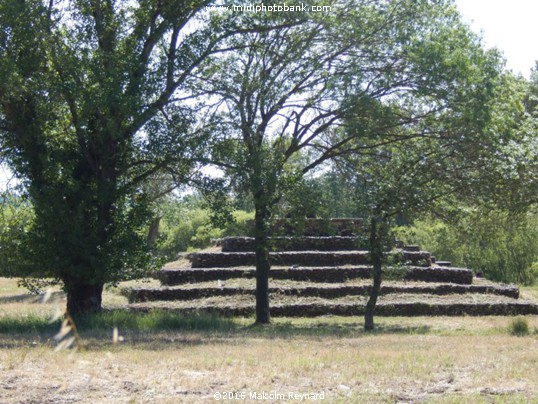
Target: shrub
{"points": [[519, 326], [501, 246], [16, 217], [241, 226], [186, 226]]}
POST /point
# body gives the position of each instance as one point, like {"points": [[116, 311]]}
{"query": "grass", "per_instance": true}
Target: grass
{"points": [[167, 358], [519, 326]]}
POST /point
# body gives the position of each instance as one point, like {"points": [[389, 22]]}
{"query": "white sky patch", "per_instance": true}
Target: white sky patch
{"points": [[6, 178], [507, 25]]}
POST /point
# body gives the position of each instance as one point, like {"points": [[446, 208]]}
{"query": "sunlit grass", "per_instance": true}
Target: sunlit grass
{"points": [[167, 358], [21, 312]]}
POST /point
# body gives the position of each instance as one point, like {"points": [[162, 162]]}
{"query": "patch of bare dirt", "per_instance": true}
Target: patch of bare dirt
{"points": [[379, 368]]}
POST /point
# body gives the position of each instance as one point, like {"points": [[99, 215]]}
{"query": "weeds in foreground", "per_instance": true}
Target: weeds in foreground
{"points": [[68, 336]]}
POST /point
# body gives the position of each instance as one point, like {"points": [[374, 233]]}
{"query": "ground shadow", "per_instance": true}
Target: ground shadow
{"points": [[28, 298], [161, 330]]}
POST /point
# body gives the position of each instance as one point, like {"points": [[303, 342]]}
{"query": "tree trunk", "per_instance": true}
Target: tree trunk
{"points": [[262, 265], [84, 298], [153, 232], [376, 252]]}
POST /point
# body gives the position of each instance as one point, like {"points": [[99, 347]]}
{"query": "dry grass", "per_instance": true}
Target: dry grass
{"points": [[292, 283], [530, 293], [191, 368], [181, 262], [441, 360]]}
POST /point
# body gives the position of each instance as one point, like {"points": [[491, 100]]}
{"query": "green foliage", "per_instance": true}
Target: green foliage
{"points": [[396, 272], [502, 247], [28, 324], [519, 326], [241, 225], [329, 195], [155, 320], [193, 231], [302, 199], [339, 195], [87, 116], [124, 320], [186, 225], [16, 218], [439, 135]]}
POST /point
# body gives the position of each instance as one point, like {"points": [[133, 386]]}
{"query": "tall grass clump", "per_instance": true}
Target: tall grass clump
{"points": [[155, 320], [519, 326], [27, 324]]}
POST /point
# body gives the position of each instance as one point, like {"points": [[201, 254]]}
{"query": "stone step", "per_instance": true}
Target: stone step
{"points": [[330, 274], [303, 289], [301, 258], [388, 305], [329, 243]]}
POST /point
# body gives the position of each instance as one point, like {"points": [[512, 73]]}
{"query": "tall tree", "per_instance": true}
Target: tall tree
{"points": [[464, 150], [90, 108], [287, 90], [272, 98]]}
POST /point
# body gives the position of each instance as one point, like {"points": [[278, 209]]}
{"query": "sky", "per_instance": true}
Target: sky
{"points": [[509, 25]]}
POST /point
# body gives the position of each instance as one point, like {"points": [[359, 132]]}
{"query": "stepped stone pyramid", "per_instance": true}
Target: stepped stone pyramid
{"points": [[323, 272]]}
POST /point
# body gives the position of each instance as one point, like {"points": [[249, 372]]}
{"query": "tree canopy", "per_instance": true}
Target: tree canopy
{"points": [[90, 108]]}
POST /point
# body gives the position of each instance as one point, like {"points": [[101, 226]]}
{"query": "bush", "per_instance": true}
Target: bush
{"points": [[16, 217], [186, 226], [501, 246], [519, 326], [241, 226]]}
